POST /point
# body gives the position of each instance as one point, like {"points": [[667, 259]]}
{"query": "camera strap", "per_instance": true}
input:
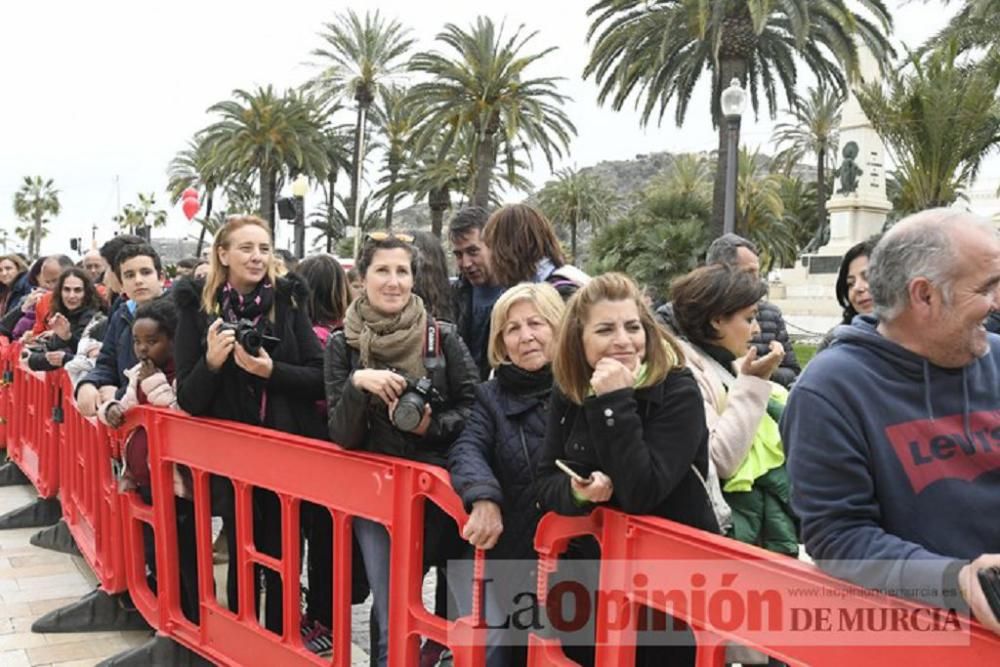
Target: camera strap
{"points": [[432, 345]]}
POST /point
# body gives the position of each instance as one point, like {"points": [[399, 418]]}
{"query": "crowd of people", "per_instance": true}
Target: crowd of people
{"points": [[540, 388]]}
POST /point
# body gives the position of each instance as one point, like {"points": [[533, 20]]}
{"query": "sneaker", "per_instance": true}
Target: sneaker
{"points": [[316, 637], [430, 653]]}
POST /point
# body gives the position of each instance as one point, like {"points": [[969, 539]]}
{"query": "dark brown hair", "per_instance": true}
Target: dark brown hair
{"points": [[518, 237], [371, 246], [327, 288], [569, 366], [90, 296], [709, 292]]}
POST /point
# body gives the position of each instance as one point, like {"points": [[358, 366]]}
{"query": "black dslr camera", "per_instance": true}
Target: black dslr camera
{"points": [[248, 336], [410, 409]]}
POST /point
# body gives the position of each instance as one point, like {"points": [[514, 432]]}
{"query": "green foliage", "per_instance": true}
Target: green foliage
{"points": [[35, 202], [575, 199], [939, 118], [484, 86], [804, 353], [141, 215], [660, 238], [760, 212]]}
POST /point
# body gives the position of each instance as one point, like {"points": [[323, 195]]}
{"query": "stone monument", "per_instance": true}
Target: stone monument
{"points": [[858, 209]]}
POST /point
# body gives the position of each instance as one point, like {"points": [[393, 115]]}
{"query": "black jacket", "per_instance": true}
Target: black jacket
{"points": [[19, 289], [496, 458], [645, 440], [461, 292], [356, 420], [296, 382], [772, 327], [78, 321]]}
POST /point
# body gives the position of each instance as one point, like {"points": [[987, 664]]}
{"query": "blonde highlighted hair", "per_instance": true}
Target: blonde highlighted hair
{"points": [[570, 367], [542, 296], [219, 274]]}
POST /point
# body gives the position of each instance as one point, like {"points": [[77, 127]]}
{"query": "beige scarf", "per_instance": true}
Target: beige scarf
{"points": [[393, 341]]}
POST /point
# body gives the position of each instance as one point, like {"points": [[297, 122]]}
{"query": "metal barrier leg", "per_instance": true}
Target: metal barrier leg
{"points": [[11, 475], [94, 612], [159, 650], [38, 513], [56, 538]]}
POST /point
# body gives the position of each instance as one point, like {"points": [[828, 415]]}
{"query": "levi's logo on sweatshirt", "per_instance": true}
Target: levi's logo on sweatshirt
{"points": [[936, 449]]}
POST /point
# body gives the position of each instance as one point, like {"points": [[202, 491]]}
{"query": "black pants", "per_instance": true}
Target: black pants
{"points": [[186, 554]]}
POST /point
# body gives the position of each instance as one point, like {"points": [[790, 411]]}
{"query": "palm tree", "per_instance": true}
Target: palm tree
{"points": [[397, 117], [975, 26], [939, 119], [577, 198], [34, 202], [359, 59], [260, 133], [142, 216], [814, 131], [192, 168], [484, 87], [657, 50], [760, 211], [690, 175]]}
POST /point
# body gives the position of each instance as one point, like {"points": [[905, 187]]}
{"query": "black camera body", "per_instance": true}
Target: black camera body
{"points": [[410, 408], [248, 336]]}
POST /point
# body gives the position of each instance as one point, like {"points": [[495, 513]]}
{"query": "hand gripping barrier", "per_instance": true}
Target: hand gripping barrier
{"points": [[33, 437], [91, 504], [384, 489], [802, 605]]}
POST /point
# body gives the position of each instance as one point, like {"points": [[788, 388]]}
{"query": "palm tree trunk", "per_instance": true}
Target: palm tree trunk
{"points": [[390, 201], [572, 238], [439, 200], [268, 184], [728, 69], [357, 173], [37, 237], [204, 228], [485, 157]]}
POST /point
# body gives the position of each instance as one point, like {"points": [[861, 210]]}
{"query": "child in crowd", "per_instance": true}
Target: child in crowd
{"points": [[151, 382]]}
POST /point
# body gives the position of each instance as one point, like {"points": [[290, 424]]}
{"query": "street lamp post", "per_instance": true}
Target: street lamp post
{"points": [[733, 102], [299, 188]]}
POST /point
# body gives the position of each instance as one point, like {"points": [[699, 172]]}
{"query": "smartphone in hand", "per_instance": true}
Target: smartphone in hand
{"points": [[575, 471], [989, 580]]}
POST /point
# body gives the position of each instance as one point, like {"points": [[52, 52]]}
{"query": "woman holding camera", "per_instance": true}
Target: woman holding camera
{"points": [[397, 383], [240, 305]]}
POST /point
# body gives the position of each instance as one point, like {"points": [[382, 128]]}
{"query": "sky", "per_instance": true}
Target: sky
{"points": [[100, 95]]}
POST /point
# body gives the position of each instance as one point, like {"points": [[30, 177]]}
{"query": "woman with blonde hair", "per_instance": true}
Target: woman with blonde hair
{"points": [[493, 462], [220, 374], [628, 418]]}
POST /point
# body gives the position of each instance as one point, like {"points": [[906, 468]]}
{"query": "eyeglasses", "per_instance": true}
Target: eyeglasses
{"points": [[384, 236]]}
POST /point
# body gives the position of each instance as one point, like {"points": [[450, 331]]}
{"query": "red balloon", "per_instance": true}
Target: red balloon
{"points": [[189, 193], [190, 207]]}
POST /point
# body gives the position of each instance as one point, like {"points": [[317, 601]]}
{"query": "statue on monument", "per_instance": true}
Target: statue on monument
{"points": [[848, 172]]}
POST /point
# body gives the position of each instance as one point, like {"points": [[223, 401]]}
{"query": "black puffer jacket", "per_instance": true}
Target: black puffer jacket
{"points": [[296, 382], [496, 458], [645, 440], [772, 327], [357, 420]]}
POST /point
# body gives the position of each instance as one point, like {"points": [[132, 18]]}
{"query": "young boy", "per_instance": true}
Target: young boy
{"points": [[138, 268]]}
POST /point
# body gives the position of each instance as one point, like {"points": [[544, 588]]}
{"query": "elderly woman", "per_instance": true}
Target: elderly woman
{"points": [[389, 342], [716, 308], [493, 462], [628, 418]]}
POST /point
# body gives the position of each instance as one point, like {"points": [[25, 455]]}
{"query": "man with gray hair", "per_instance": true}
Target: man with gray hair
{"points": [[893, 433], [739, 253]]}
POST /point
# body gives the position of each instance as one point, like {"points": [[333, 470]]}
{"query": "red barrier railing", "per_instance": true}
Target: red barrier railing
{"points": [[34, 436], [707, 581], [388, 490], [6, 388], [91, 504]]}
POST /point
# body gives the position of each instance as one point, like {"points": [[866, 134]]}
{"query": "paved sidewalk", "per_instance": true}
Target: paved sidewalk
{"points": [[34, 581]]}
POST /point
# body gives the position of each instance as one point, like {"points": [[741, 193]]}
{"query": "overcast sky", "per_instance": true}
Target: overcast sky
{"points": [[106, 89]]}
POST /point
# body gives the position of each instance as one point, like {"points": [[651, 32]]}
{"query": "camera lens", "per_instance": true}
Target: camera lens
{"points": [[409, 411]]}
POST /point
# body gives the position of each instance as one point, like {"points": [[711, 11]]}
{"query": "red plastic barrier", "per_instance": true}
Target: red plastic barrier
{"points": [[666, 557], [34, 441], [384, 489], [6, 388], [91, 504]]}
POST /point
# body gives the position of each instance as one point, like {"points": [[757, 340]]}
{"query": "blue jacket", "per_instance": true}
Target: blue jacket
{"points": [[18, 290], [490, 461], [895, 463], [117, 354]]}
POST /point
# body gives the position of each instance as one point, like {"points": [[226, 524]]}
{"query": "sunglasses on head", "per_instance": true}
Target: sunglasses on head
{"points": [[383, 236]]}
